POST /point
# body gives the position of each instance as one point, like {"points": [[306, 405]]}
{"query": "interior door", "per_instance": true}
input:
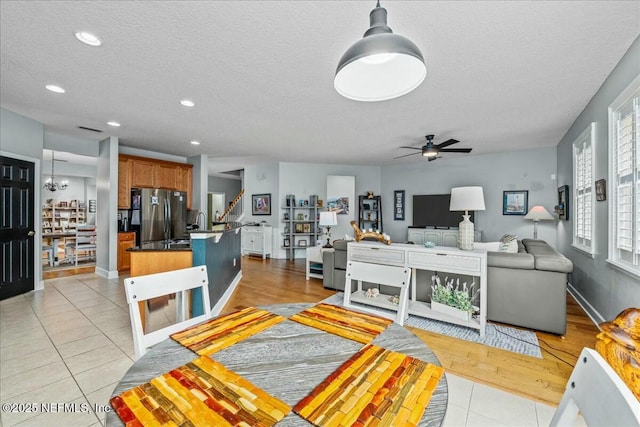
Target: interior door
{"points": [[16, 226]]}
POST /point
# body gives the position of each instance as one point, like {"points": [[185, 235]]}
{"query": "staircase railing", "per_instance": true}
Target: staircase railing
{"points": [[235, 210]]}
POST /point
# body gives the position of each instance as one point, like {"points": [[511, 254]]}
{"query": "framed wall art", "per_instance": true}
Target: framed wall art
{"points": [[562, 209], [515, 202], [398, 205], [261, 204], [601, 190]]}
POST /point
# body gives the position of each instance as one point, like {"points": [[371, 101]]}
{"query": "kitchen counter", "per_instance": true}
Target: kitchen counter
{"points": [[162, 246]]}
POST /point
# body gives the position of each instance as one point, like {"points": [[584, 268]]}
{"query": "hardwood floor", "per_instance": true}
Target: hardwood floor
{"points": [[282, 281], [274, 281]]}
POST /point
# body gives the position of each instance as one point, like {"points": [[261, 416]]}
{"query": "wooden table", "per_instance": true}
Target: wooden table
{"points": [[288, 361], [55, 239]]}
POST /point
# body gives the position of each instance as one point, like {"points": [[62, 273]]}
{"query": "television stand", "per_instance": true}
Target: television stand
{"points": [[441, 237]]}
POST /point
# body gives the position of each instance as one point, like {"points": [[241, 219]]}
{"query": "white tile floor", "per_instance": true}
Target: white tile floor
{"points": [[71, 344]]}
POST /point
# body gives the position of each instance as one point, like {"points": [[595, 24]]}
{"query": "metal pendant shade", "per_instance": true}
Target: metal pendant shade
{"points": [[381, 65]]}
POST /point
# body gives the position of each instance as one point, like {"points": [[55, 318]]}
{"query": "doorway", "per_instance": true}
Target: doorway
{"points": [[215, 206], [17, 229]]}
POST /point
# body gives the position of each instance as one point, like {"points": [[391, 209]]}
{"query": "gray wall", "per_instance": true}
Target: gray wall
{"points": [[607, 289], [530, 170], [23, 138], [229, 186]]}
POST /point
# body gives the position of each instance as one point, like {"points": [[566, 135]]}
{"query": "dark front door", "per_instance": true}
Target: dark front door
{"points": [[16, 226]]}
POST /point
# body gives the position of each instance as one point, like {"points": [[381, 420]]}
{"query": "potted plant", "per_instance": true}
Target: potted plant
{"points": [[451, 300]]}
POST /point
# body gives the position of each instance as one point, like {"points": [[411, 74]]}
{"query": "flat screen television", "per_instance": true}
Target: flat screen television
{"points": [[432, 210]]}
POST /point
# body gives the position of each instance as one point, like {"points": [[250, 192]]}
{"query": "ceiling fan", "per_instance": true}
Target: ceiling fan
{"points": [[432, 151]]}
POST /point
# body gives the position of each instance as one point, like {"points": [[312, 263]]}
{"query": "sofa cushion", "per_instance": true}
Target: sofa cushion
{"points": [[522, 261], [509, 243], [547, 258], [340, 251]]}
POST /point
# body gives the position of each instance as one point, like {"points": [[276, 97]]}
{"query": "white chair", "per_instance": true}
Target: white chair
{"points": [[85, 241], [599, 394], [140, 289], [383, 275]]}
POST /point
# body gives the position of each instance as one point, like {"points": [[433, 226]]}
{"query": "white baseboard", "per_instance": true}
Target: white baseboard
{"points": [[593, 314], [216, 309], [106, 273]]}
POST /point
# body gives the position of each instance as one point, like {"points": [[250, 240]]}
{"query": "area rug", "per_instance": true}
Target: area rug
{"points": [[214, 335], [343, 322], [498, 336], [200, 393], [374, 387]]}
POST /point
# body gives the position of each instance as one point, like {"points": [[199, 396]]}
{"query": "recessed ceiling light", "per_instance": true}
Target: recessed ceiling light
{"points": [[54, 88], [88, 38], [114, 124], [187, 103], [195, 142]]}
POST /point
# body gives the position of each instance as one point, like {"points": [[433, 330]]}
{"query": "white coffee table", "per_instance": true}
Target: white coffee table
{"points": [[314, 256]]}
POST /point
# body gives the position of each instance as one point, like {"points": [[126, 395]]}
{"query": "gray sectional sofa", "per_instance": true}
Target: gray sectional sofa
{"points": [[525, 289], [529, 288]]}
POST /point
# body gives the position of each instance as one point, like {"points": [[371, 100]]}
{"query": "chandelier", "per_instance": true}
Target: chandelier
{"points": [[51, 184]]}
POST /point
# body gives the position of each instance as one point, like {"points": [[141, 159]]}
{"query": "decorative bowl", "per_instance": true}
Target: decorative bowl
{"points": [[429, 245]]}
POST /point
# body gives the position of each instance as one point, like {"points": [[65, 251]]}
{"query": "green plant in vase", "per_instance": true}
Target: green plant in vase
{"points": [[453, 296]]}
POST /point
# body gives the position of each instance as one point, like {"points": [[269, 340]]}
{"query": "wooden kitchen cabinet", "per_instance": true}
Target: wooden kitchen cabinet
{"points": [[185, 182], [165, 176], [126, 240], [142, 172], [124, 183]]}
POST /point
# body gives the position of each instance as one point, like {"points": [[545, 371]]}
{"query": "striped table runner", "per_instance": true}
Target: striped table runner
{"points": [[375, 387], [214, 335], [200, 393], [343, 322]]}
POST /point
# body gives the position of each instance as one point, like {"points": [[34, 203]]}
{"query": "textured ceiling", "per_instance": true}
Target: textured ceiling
{"points": [[501, 76]]}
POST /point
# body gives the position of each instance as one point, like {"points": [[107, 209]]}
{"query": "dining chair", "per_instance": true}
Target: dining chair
{"points": [[397, 277], [181, 283], [598, 393], [85, 241]]}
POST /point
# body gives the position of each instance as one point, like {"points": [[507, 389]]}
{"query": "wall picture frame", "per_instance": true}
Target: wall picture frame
{"points": [[398, 205], [261, 204], [601, 190], [562, 208], [515, 202]]}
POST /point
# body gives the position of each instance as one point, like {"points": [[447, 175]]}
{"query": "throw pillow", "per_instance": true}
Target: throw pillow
{"points": [[509, 243]]}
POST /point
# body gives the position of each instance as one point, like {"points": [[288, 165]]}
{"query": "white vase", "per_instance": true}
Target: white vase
{"points": [[451, 311], [465, 234]]}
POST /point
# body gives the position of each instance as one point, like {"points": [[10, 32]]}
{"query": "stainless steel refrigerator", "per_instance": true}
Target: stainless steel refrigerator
{"points": [[158, 215]]}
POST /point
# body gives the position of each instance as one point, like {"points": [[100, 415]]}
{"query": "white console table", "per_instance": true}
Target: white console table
{"points": [[441, 237], [257, 240], [418, 257]]}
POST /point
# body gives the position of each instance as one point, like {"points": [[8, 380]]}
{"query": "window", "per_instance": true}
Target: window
{"points": [[624, 176], [583, 193]]}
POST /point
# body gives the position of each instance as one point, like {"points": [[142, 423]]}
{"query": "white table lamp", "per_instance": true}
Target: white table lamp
{"points": [[537, 214], [328, 219], [466, 199]]}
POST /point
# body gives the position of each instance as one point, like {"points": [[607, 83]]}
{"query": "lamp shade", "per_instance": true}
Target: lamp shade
{"points": [[538, 213], [328, 219], [381, 65], [467, 199]]}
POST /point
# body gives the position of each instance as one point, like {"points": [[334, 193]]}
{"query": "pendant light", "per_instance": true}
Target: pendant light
{"points": [[51, 184], [381, 65]]}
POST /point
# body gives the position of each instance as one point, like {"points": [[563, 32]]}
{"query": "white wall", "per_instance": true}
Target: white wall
{"points": [[530, 170]]}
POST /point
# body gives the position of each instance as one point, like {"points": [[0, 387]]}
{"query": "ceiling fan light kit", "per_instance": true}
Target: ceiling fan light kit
{"points": [[381, 65], [431, 151]]}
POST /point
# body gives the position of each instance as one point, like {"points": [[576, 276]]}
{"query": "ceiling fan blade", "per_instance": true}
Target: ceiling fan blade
{"points": [[412, 154], [456, 150], [447, 143], [412, 148]]}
